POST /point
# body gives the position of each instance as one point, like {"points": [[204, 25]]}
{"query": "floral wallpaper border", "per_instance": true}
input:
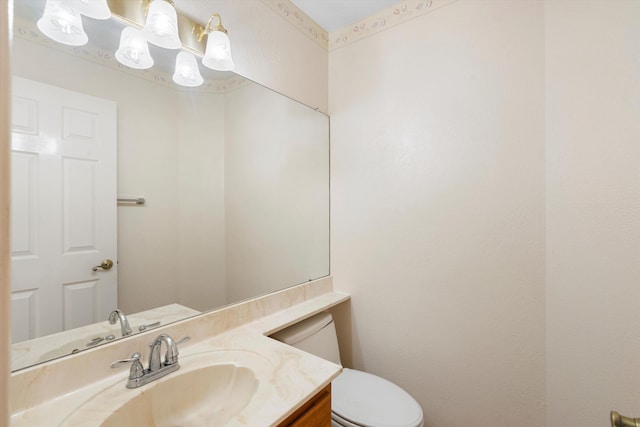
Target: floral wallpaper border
{"points": [[28, 31], [296, 17], [387, 18]]}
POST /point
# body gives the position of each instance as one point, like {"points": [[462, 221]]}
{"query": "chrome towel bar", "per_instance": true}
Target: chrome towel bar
{"points": [[136, 200]]}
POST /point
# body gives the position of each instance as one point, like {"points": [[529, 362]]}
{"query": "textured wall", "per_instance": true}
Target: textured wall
{"points": [[438, 183], [593, 211]]}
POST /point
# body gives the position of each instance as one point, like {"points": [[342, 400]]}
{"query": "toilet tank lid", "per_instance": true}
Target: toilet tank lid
{"points": [[304, 329]]}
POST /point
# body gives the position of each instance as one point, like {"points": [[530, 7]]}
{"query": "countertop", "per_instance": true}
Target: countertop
{"points": [[286, 376]]}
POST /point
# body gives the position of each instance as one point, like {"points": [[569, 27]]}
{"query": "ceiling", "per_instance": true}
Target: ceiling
{"points": [[336, 14]]}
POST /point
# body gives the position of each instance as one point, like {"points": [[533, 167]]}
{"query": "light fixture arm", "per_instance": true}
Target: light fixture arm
{"points": [[208, 28], [217, 55]]}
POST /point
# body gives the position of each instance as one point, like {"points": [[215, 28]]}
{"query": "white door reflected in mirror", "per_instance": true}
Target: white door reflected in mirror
{"points": [[63, 209]]}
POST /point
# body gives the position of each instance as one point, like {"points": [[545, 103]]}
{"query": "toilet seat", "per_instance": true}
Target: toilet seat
{"points": [[361, 399], [336, 421]]}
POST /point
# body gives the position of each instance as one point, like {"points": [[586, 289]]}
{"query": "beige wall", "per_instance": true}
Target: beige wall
{"points": [[593, 211], [270, 51], [438, 186], [485, 209]]}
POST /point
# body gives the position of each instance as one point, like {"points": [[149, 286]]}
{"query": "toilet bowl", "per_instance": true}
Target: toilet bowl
{"points": [[358, 399]]}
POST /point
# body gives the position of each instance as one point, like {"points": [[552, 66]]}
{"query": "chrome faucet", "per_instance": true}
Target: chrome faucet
{"points": [[170, 357], [124, 323], [138, 376]]}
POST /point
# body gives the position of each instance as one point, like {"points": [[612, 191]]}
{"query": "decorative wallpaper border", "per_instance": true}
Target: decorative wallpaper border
{"points": [[385, 19], [28, 31], [296, 17]]}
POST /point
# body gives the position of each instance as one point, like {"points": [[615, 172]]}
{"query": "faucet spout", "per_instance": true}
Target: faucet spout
{"points": [[171, 356], [116, 315]]}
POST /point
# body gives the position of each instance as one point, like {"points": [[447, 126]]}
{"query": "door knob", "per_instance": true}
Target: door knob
{"points": [[105, 265], [618, 420]]}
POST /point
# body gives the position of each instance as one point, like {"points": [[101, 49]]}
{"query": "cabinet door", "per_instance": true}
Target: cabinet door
{"points": [[316, 412]]}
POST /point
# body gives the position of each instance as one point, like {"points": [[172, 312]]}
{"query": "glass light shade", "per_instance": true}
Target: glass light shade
{"points": [[218, 53], [161, 26], [62, 23], [187, 72], [96, 9], [134, 50]]}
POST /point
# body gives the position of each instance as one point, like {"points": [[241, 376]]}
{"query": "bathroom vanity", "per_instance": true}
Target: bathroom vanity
{"points": [[253, 379], [315, 412]]}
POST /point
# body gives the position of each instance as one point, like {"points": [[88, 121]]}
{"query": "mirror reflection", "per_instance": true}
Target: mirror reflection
{"points": [[234, 177]]}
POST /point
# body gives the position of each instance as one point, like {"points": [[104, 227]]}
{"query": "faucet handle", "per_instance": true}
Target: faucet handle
{"points": [[137, 370], [183, 340]]}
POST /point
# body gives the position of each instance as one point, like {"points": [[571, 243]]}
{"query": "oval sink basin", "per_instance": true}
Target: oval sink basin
{"points": [[206, 396]]}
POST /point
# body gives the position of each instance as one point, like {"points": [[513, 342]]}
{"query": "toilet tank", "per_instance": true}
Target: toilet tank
{"points": [[315, 335]]}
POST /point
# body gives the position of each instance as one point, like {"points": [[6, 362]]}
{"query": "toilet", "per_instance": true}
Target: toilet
{"points": [[358, 399]]}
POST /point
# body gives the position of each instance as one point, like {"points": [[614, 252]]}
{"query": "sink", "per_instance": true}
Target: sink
{"points": [[208, 395]]}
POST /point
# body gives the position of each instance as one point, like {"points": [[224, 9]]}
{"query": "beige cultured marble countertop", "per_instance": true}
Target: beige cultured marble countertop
{"points": [[287, 377], [27, 353]]}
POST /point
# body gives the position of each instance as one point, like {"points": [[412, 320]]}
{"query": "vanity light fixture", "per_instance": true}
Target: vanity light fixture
{"points": [[187, 72], [62, 23], [161, 26], [217, 55], [146, 21], [96, 9], [134, 50]]}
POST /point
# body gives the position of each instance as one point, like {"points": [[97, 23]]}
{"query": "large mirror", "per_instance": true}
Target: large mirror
{"points": [[201, 197]]}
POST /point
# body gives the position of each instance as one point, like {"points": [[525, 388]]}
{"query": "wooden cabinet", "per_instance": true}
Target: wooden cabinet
{"points": [[316, 412]]}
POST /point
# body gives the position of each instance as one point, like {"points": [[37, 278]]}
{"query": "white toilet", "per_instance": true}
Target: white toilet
{"points": [[358, 399]]}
